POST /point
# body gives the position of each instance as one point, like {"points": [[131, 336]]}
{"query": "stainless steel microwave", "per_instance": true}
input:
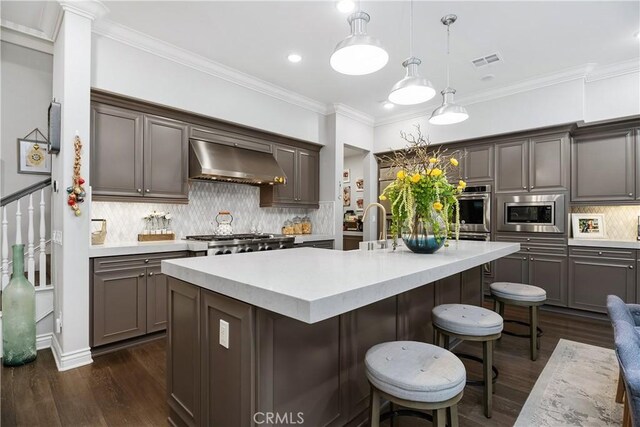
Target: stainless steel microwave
{"points": [[544, 213]]}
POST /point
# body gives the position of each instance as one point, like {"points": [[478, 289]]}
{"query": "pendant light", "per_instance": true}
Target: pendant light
{"points": [[359, 53], [449, 112], [412, 89]]}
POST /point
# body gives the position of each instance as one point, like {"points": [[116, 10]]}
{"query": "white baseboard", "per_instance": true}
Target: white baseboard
{"points": [[70, 360], [43, 341]]}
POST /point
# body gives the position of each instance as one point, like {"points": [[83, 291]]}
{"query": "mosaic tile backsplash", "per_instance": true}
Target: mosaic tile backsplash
{"points": [[621, 221], [124, 219]]}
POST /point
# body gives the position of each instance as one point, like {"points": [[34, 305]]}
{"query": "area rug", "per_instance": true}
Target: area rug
{"points": [[576, 388]]}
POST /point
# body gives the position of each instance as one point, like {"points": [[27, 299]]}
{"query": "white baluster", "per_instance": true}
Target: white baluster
{"points": [[18, 224], [5, 248], [43, 244], [31, 262]]}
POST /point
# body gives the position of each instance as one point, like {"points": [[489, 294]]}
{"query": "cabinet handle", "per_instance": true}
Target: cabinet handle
{"points": [[524, 258], [141, 275], [139, 190], [150, 274], [528, 249], [146, 261], [630, 194], [599, 253], [528, 239], [532, 187], [631, 267], [530, 259], [147, 190], [524, 187]]}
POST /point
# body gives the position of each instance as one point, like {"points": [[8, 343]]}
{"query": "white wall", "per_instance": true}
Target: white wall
{"points": [[613, 97], [126, 70]]}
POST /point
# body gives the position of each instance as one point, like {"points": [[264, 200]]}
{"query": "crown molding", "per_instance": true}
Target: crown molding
{"points": [[614, 70], [25, 40], [154, 46], [90, 9], [570, 74], [353, 114], [24, 30]]}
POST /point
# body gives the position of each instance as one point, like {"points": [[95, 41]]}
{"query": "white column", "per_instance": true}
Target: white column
{"points": [[18, 223], [5, 248], [42, 261], [31, 263], [70, 250]]}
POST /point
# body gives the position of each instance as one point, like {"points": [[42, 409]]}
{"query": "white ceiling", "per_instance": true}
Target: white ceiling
{"points": [[534, 39]]}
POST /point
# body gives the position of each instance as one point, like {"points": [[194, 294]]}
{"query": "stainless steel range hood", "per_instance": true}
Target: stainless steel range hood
{"points": [[218, 162]]}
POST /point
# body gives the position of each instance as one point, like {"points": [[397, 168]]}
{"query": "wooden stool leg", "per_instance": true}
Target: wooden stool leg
{"points": [[500, 311], [626, 416], [487, 358], [533, 327], [620, 392], [375, 408], [392, 420], [496, 306], [440, 417], [453, 415], [446, 342], [441, 339]]}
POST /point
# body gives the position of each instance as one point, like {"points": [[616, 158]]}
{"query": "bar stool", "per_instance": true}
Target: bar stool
{"points": [[522, 295], [418, 376], [471, 323]]}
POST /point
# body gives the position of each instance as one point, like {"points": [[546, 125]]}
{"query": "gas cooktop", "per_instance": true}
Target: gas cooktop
{"points": [[239, 243], [219, 237]]}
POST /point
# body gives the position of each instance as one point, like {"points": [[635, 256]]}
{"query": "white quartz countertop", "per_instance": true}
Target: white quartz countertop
{"points": [[313, 238], [604, 243], [134, 248], [312, 285]]}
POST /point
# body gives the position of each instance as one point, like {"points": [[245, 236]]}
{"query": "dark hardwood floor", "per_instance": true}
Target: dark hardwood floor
{"points": [[127, 387]]}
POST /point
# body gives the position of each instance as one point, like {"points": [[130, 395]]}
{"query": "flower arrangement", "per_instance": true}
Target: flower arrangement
{"points": [[421, 195], [157, 222]]}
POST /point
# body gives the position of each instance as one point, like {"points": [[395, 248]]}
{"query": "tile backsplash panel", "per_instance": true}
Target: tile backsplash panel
{"points": [[124, 219], [621, 222]]}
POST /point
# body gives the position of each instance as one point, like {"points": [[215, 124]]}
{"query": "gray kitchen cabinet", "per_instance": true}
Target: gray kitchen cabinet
{"points": [[128, 296], [166, 158], [322, 244], [512, 166], [603, 166], [116, 151], [536, 164], [549, 272], [512, 268], [134, 155], [156, 300], [477, 165], [548, 163], [592, 277], [119, 305], [302, 187]]}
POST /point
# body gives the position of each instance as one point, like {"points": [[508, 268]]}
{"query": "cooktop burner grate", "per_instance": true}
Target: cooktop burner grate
{"points": [[215, 237]]}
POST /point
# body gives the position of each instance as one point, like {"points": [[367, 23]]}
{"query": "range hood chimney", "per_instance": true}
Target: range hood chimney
{"points": [[209, 161]]}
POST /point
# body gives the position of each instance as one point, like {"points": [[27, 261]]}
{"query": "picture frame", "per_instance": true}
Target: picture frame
{"points": [[359, 204], [346, 196], [360, 184], [588, 226], [346, 176], [33, 157]]}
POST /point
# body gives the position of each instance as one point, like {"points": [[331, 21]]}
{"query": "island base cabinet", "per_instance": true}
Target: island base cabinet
{"points": [[310, 374], [591, 279]]}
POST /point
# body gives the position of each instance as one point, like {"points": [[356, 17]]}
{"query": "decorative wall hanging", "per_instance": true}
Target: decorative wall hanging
{"points": [[76, 191], [33, 154]]}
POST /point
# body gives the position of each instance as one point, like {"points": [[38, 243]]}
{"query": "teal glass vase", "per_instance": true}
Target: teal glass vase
{"points": [[18, 315], [424, 235]]}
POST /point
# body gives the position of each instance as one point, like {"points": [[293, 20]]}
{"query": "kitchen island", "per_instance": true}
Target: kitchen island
{"points": [[286, 331]]}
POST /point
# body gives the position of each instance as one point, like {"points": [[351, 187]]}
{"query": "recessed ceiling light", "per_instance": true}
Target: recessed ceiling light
{"points": [[345, 6], [388, 105], [294, 57], [487, 77], [637, 34]]}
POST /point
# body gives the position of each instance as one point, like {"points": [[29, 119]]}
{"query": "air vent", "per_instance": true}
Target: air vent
{"points": [[486, 60]]}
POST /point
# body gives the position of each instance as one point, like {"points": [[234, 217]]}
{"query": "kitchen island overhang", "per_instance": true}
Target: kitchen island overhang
{"points": [[311, 285]]}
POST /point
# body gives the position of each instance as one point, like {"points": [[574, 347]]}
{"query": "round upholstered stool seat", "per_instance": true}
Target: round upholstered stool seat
{"points": [[415, 371], [418, 376], [508, 293], [463, 319], [471, 323], [518, 292]]}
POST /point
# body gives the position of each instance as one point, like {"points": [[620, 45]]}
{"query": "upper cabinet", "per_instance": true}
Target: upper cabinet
{"points": [[603, 166], [478, 164], [530, 165], [137, 155], [302, 170]]}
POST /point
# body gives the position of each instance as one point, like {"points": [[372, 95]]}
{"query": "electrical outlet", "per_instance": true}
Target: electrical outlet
{"points": [[56, 236], [224, 333]]}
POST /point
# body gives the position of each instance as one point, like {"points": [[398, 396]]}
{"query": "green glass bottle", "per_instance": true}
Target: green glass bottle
{"points": [[18, 315]]}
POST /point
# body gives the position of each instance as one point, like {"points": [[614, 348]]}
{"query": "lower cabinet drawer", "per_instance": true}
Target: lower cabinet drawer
{"points": [[603, 252], [591, 279]]}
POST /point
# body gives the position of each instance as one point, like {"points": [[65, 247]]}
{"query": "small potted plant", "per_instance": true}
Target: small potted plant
{"points": [[424, 203]]}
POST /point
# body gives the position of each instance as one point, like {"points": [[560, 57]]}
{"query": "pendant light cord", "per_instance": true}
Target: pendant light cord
{"points": [[448, 25], [411, 29]]}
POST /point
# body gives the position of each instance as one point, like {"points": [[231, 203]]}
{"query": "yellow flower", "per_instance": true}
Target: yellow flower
{"points": [[382, 197], [401, 175], [415, 178], [462, 184], [460, 188], [436, 172], [453, 161], [438, 206], [433, 160]]}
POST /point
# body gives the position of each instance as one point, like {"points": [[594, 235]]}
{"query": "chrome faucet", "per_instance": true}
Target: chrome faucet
{"points": [[384, 216]]}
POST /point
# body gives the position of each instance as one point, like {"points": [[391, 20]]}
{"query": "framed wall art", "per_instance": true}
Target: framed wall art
{"points": [[33, 157]]}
